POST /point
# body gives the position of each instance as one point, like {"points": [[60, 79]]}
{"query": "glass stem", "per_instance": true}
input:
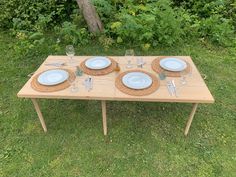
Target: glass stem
{"points": [[71, 59]]}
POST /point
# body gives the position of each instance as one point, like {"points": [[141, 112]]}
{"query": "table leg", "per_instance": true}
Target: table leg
{"points": [[190, 119], [104, 117], [37, 108]]}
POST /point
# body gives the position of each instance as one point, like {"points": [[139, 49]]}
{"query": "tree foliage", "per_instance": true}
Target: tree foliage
{"points": [[144, 22]]}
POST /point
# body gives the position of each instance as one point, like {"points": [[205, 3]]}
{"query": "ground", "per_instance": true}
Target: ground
{"points": [[144, 139]]}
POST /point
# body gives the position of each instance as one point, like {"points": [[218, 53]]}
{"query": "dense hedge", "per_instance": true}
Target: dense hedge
{"points": [[145, 22]]}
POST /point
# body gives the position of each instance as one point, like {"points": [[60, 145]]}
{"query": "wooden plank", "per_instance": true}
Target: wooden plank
{"points": [[189, 122], [40, 116], [104, 117]]}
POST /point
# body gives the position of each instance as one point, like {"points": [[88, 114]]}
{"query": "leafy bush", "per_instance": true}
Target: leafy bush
{"points": [[146, 23], [151, 23], [219, 30], [71, 33], [27, 14]]}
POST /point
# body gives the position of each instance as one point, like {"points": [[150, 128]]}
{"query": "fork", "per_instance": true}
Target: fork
{"points": [[55, 64], [174, 87], [170, 88]]}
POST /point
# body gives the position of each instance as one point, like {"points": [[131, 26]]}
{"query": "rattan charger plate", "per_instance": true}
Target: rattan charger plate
{"points": [[98, 72], [157, 68], [142, 92], [43, 88]]}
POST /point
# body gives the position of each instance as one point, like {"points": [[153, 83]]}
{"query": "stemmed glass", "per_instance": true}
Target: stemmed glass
{"points": [[70, 52], [129, 54]]}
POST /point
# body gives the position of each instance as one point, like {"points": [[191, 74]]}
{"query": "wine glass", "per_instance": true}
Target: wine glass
{"points": [[70, 52], [129, 54]]}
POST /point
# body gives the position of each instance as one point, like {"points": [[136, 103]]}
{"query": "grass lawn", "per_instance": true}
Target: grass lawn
{"points": [[144, 139]]}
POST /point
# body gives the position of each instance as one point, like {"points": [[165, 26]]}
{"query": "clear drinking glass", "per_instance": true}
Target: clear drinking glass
{"points": [[129, 54], [70, 52], [183, 75], [74, 84], [140, 62], [79, 72], [162, 75], [88, 83], [190, 71]]}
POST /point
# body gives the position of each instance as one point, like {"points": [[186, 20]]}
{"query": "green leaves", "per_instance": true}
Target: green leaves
{"points": [[139, 22], [71, 33], [36, 36], [144, 23]]}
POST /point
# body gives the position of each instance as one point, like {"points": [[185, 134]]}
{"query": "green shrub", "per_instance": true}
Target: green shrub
{"points": [[71, 33], [145, 23], [152, 23], [27, 14], [206, 8], [219, 30]]}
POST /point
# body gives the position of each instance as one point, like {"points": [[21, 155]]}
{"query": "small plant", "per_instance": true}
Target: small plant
{"points": [[105, 41], [71, 33]]}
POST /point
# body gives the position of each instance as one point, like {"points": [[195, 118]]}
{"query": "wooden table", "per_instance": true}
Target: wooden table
{"points": [[104, 88]]}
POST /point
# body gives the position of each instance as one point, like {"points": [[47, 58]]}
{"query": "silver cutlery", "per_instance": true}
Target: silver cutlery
{"points": [[174, 88], [170, 88], [86, 84], [55, 64]]}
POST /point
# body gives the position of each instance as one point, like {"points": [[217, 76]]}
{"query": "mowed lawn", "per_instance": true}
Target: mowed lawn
{"points": [[144, 139]]}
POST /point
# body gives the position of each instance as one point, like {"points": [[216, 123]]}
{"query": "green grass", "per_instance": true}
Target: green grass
{"points": [[145, 139]]}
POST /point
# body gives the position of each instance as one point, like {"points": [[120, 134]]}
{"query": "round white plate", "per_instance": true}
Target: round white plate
{"points": [[53, 77], [173, 64], [97, 63], [137, 80]]}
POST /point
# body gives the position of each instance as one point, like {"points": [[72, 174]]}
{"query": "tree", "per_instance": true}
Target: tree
{"points": [[90, 15]]}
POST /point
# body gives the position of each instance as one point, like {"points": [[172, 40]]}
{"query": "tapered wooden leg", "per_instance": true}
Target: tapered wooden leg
{"points": [[104, 117], [190, 119], [36, 106]]}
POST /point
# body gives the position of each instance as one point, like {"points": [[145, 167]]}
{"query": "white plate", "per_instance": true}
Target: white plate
{"points": [[173, 64], [53, 77], [137, 80], [98, 63]]}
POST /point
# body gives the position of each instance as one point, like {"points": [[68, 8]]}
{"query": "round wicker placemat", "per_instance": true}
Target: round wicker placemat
{"points": [[43, 88], [157, 68], [98, 72], [119, 84]]}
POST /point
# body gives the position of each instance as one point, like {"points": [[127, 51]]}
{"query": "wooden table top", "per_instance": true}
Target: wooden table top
{"points": [[195, 91]]}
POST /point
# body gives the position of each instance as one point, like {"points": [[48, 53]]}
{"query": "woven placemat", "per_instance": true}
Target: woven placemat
{"points": [[119, 84], [157, 68], [98, 72], [43, 88]]}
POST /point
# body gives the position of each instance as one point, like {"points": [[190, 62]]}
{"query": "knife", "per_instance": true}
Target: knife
{"points": [[55, 64], [174, 88], [169, 89]]}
